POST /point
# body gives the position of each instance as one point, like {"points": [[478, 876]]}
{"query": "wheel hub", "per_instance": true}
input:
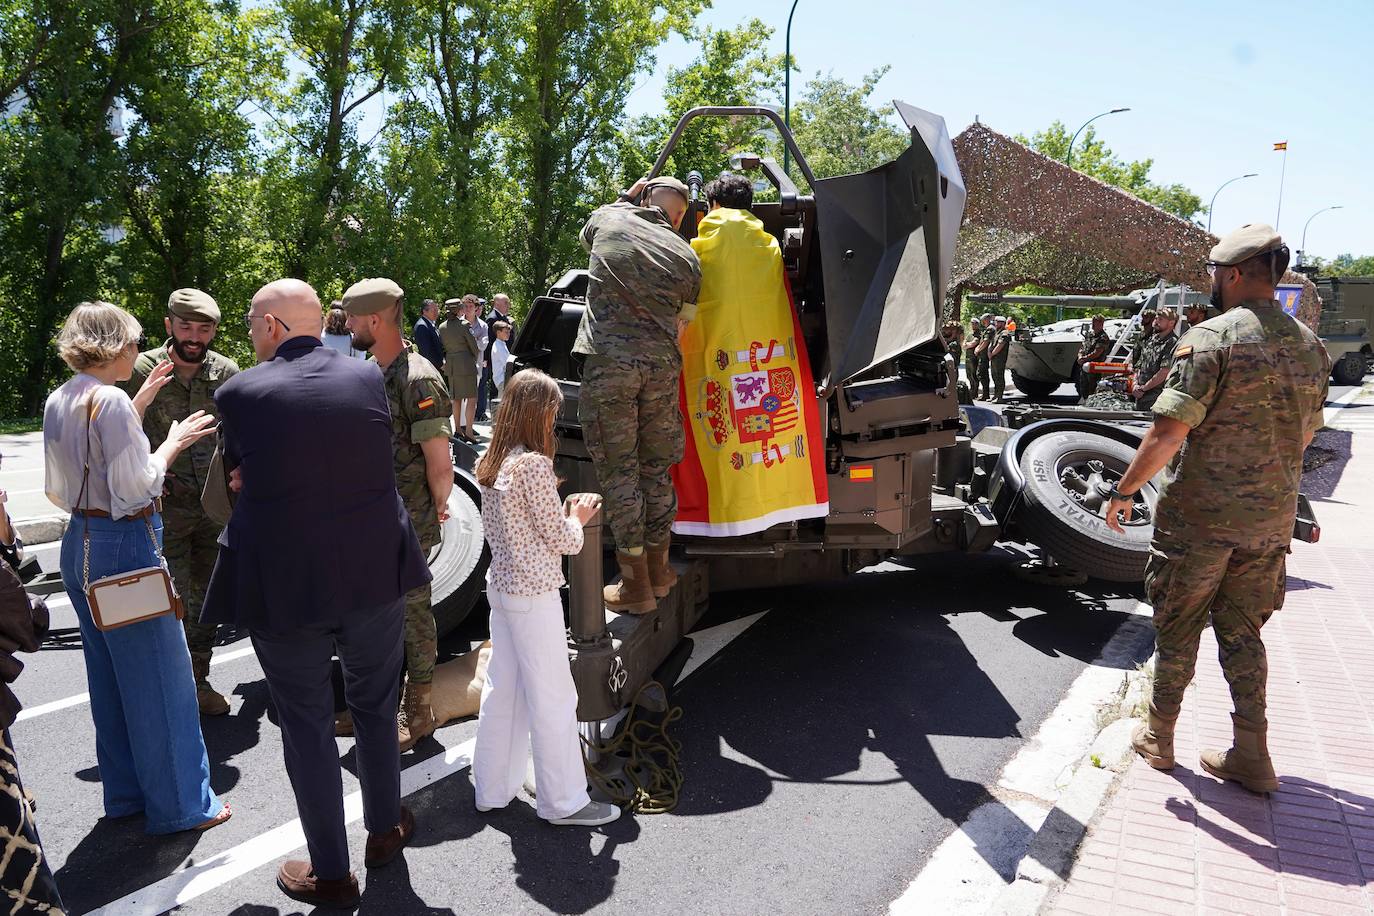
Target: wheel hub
{"points": [[1090, 483]]}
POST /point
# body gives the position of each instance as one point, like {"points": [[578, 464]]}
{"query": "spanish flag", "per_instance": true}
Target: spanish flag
{"points": [[754, 445], [1283, 145]]}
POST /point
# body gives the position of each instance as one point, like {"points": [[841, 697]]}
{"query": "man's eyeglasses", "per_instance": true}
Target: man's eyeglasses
{"points": [[248, 321]]}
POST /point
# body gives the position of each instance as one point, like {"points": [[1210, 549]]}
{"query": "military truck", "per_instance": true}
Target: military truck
{"points": [[1347, 312]]}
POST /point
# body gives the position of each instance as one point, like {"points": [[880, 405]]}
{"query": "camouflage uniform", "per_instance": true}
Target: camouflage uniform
{"points": [[644, 278], [420, 410], [1155, 353], [1093, 342], [1250, 384], [982, 379], [998, 363], [190, 537]]}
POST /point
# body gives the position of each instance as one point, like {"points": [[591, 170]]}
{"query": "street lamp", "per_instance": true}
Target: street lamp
{"points": [[1303, 247], [1068, 160], [787, 83], [1214, 197]]}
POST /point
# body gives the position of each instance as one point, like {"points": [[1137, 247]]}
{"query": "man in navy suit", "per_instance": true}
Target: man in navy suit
{"points": [[306, 436], [426, 334]]}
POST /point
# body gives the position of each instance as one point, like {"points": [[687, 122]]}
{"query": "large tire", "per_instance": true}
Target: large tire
{"points": [[1071, 528], [1349, 369], [459, 564], [1033, 389]]}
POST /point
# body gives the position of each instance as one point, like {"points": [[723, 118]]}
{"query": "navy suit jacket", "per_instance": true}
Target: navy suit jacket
{"points": [[318, 532], [428, 342]]}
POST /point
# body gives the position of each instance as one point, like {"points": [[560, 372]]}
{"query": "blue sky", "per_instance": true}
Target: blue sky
{"points": [[1211, 86]]}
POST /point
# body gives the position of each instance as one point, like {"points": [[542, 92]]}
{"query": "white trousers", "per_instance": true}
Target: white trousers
{"points": [[529, 700]]}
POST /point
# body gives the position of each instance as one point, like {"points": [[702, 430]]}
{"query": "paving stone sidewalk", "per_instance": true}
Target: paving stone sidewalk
{"points": [[1184, 842]]}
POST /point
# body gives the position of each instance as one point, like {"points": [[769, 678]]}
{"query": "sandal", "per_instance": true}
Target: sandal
{"points": [[224, 814]]}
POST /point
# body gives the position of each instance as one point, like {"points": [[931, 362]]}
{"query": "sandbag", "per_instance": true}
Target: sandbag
{"points": [[457, 691]]}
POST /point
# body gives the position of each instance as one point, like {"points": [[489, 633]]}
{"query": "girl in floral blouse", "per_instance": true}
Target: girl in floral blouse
{"points": [[529, 698]]}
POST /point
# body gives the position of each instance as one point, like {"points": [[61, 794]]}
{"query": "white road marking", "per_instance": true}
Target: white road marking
{"points": [[68, 702], [202, 877], [978, 860], [1336, 408]]}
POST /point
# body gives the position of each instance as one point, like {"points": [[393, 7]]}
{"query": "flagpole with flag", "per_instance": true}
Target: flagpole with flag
{"points": [[1283, 145]]}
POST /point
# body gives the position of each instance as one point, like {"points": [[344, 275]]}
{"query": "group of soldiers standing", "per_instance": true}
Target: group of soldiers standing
{"points": [[987, 344]]}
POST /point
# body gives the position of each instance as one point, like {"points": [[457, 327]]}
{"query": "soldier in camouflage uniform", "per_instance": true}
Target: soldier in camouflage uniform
{"points": [[953, 335], [190, 537], [420, 410], [642, 290], [1243, 400], [1096, 343], [998, 352], [1142, 337], [1156, 355], [980, 372]]}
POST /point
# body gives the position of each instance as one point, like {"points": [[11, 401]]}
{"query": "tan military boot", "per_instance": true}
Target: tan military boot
{"points": [[1153, 739], [416, 719], [1247, 761], [633, 594], [210, 701], [662, 576]]}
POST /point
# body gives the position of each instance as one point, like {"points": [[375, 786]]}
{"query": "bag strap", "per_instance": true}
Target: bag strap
{"points": [[85, 513]]}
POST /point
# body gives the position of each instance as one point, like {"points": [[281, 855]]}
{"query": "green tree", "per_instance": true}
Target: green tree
{"points": [[1093, 157], [1345, 265], [839, 131]]}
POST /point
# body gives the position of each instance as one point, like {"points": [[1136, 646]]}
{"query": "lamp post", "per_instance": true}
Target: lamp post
{"points": [[1068, 160], [1214, 197], [1303, 247], [787, 82]]}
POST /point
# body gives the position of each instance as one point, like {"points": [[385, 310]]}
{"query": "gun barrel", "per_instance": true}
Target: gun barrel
{"points": [[1073, 302]]}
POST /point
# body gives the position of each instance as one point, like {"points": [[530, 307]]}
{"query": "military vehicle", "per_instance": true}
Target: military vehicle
{"points": [[1347, 312], [1045, 357]]}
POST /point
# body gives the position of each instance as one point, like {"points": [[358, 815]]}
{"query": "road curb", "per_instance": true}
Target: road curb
{"points": [[1050, 856], [42, 530]]}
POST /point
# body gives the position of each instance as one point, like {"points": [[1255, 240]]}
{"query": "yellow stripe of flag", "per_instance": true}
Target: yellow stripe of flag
{"points": [[1283, 145]]}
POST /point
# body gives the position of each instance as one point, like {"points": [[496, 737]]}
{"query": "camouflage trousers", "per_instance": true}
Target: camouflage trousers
{"points": [[999, 377], [1239, 588], [190, 543], [981, 378], [633, 431], [421, 636]]}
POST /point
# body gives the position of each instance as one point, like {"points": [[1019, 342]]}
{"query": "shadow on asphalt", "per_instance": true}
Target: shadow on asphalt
{"points": [[93, 875], [1324, 462]]}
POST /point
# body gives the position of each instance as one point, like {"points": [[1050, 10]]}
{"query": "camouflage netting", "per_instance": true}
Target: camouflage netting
{"points": [[1032, 219]]}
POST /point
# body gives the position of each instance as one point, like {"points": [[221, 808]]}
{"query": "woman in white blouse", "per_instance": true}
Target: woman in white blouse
{"points": [[529, 699], [143, 700]]}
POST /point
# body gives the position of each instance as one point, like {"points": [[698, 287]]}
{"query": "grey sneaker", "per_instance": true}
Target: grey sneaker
{"points": [[594, 814]]}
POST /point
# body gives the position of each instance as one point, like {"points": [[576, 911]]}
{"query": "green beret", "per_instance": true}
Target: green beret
{"points": [[1244, 243], [368, 297], [667, 181], [192, 305]]}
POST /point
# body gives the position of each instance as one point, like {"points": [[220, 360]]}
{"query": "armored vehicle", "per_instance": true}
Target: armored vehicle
{"points": [[1347, 312]]}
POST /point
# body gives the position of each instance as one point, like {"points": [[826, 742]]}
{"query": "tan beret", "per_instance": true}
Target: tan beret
{"points": [[368, 297], [453, 305], [1244, 243], [192, 305], [669, 182]]}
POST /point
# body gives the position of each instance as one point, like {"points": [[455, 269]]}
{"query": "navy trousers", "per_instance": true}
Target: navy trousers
{"points": [[370, 647], [483, 391]]}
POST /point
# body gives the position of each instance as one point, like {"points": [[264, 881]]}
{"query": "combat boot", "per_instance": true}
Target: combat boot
{"points": [[416, 719], [210, 701], [1153, 739], [662, 576], [633, 594], [1247, 761]]}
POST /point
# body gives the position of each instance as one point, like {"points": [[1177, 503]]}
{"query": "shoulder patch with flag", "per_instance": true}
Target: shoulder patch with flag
{"points": [[425, 403]]}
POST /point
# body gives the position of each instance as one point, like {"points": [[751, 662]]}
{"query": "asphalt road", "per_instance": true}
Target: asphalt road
{"points": [[827, 750]]}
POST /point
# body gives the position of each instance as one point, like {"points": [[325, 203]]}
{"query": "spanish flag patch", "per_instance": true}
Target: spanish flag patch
{"points": [[861, 472], [425, 404], [1180, 352]]}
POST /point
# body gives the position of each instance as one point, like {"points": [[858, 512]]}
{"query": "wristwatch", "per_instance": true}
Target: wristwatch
{"points": [[1116, 494]]}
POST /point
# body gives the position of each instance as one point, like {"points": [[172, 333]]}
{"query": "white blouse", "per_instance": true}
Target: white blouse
{"points": [[125, 475], [529, 535]]}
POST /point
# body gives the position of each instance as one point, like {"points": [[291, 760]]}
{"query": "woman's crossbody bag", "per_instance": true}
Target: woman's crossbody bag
{"points": [[126, 597]]}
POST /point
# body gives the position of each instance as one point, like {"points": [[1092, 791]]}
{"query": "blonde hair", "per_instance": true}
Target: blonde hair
{"points": [[529, 405], [95, 334]]}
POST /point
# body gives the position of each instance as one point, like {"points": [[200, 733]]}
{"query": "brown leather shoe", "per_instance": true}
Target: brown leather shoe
{"points": [[297, 880], [383, 847]]}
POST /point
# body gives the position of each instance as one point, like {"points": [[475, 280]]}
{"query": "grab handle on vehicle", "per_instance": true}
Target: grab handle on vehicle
{"points": [[586, 601]]}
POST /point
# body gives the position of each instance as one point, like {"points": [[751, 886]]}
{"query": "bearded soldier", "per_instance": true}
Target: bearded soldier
{"points": [[1243, 400], [420, 432], [190, 537]]}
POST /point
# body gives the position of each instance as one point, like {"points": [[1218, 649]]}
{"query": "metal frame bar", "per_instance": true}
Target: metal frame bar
{"points": [[733, 111]]}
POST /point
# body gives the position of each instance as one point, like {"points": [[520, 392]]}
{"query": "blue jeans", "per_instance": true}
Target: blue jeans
{"points": [[143, 698]]}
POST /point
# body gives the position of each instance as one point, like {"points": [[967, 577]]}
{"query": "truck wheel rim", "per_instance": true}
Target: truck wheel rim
{"points": [[460, 545], [1087, 477]]}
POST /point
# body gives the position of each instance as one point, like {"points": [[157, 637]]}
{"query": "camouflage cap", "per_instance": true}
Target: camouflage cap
{"points": [[1245, 243], [192, 305], [368, 297], [669, 182]]}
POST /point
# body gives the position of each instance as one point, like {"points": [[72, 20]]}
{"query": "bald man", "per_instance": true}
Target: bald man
{"points": [[316, 559]]}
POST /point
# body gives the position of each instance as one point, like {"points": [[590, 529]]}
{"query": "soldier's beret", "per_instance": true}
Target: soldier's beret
{"points": [[667, 181], [368, 297], [192, 305], [1244, 243], [987, 316], [1001, 318]]}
